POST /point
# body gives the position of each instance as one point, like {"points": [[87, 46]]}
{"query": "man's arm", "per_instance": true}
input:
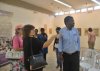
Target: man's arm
{"points": [[78, 40], [60, 46]]}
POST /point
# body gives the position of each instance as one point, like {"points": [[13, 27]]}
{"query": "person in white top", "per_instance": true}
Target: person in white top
{"points": [[91, 38], [55, 48]]}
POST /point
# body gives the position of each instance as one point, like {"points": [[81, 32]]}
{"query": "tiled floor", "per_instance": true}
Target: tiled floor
{"points": [[5, 68], [51, 59]]}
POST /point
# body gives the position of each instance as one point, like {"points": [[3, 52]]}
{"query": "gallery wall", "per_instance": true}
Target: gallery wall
{"points": [[23, 16], [83, 21], [5, 26]]}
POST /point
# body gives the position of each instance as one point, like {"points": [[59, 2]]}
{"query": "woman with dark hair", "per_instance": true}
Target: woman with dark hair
{"points": [[30, 41], [91, 38]]}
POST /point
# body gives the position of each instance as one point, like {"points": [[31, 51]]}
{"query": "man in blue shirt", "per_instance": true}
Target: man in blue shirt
{"points": [[43, 38], [69, 45]]}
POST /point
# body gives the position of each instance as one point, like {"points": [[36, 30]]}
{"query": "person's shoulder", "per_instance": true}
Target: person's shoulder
{"points": [[39, 35], [46, 34], [93, 33], [15, 37], [62, 29], [28, 38], [75, 28]]}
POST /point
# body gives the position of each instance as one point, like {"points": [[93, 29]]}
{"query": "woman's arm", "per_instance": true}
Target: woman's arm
{"points": [[54, 44], [47, 43], [18, 49]]}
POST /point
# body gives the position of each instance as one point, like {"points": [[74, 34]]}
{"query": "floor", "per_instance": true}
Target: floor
{"points": [[51, 59]]}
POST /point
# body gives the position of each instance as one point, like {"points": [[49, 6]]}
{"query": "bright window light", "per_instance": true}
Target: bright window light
{"points": [[63, 3], [66, 12], [77, 11], [84, 10], [96, 7], [56, 14], [97, 2], [61, 13], [72, 12], [90, 9]]}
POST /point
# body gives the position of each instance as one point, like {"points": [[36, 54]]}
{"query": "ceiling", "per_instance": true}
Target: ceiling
{"points": [[50, 6], [56, 7]]}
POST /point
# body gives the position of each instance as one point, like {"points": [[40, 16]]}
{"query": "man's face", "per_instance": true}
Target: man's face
{"points": [[42, 31], [36, 31], [70, 24]]}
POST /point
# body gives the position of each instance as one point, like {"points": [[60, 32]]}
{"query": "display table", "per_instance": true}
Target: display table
{"points": [[3, 60]]}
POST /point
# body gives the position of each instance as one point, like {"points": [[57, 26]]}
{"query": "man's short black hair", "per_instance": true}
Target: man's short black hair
{"points": [[58, 28], [42, 29]]}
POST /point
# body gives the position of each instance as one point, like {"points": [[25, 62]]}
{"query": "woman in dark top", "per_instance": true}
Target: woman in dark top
{"points": [[30, 41]]}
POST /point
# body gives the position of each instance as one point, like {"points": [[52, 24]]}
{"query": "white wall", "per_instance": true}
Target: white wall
{"points": [[83, 20], [24, 16]]}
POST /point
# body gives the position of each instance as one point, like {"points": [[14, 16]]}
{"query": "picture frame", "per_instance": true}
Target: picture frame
{"points": [[50, 30], [96, 31], [80, 31]]}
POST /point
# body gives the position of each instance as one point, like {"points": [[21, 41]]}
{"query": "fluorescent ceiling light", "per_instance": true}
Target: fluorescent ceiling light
{"points": [[90, 9], [96, 7], [97, 2], [61, 13], [66, 12], [77, 11], [63, 3], [72, 12], [56, 14], [84, 10]]}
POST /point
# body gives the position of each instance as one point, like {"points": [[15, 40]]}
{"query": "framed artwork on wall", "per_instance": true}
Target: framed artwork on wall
{"points": [[79, 30], [50, 30], [86, 31], [45, 27], [96, 30]]}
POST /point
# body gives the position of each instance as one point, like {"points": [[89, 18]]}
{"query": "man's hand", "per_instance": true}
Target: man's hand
{"points": [[61, 57], [30, 67]]}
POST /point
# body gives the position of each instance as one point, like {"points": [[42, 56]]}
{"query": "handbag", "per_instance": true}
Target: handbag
{"points": [[12, 54], [37, 61]]}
